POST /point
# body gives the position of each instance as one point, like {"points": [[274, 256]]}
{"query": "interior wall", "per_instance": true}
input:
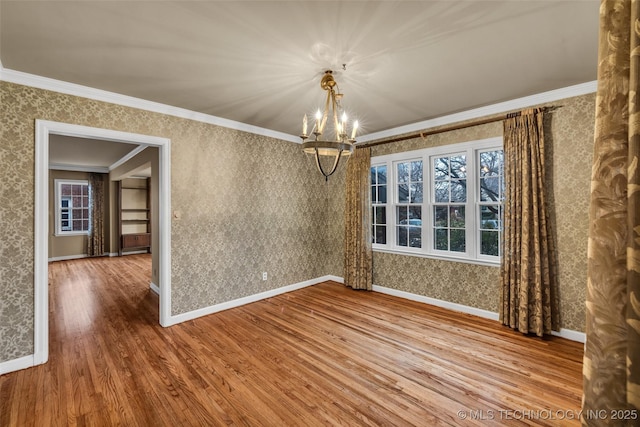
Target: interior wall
{"points": [[247, 204], [569, 145]]}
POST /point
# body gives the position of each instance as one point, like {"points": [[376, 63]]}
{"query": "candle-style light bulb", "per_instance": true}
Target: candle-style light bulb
{"points": [[318, 117], [304, 125], [343, 128], [354, 129]]}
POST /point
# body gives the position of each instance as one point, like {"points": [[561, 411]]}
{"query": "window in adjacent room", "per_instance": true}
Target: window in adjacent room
{"points": [[72, 207]]}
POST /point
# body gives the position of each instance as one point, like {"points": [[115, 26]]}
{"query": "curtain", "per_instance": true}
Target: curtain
{"points": [[611, 370], [358, 269], [95, 240], [528, 300]]}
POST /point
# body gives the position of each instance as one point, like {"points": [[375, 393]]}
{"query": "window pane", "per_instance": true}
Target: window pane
{"points": [[442, 191], [459, 191], [456, 216], [374, 194], [403, 172], [458, 243], [441, 239], [402, 233], [380, 215], [403, 193], [416, 170], [402, 214], [415, 215], [441, 168], [489, 189], [382, 194], [416, 193], [489, 243], [381, 235], [441, 216], [489, 217], [415, 237], [458, 166], [374, 176]]}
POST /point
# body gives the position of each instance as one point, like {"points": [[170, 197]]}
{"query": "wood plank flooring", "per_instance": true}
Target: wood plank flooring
{"points": [[324, 355]]}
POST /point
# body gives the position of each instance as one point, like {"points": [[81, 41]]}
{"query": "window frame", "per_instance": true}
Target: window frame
{"points": [[58, 183], [375, 203], [471, 150]]}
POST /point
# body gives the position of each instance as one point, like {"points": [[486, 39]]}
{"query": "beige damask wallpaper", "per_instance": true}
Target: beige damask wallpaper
{"points": [[249, 204], [569, 141]]}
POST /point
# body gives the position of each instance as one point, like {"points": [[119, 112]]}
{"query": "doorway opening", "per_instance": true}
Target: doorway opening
{"points": [[44, 129]]}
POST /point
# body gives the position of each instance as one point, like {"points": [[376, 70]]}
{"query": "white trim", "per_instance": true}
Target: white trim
{"points": [[138, 252], [564, 333], [46, 83], [247, 300], [571, 335], [75, 168], [437, 302], [16, 364], [154, 288], [501, 107], [128, 157], [43, 129], [67, 257]]}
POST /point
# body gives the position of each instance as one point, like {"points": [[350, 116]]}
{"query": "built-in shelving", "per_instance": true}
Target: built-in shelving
{"points": [[134, 215]]}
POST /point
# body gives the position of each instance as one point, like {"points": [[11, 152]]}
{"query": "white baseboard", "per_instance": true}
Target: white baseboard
{"points": [[564, 333], [246, 300], [571, 335], [437, 302], [67, 257], [16, 364], [154, 288]]}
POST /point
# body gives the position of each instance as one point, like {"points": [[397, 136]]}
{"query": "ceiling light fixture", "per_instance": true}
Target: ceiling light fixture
{"points": [[342, 144]]}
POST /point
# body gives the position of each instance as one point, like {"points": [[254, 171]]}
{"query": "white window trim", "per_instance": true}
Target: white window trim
{"points": [[470, 149], [57, 184]]}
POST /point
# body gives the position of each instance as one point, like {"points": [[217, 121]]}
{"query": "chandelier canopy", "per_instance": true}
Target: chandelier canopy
{"points": [[321, 142]]}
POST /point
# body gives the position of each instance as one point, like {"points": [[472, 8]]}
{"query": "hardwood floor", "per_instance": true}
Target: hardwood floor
{"points": [[323, 355]]}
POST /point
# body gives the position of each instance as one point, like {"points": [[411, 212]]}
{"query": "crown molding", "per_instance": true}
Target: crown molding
{"points": [[46, 83], [76, 168], [19, 77], [489, 110]]}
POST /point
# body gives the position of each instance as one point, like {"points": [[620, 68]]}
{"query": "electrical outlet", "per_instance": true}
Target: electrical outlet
{"points": [[264, 275]]}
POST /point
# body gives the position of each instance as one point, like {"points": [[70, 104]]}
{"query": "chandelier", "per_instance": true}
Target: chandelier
{"points": [[320, 143]]}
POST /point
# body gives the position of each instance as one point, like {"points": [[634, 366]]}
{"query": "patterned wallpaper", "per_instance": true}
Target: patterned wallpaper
{"points": [[569, 142], [249, 204]]}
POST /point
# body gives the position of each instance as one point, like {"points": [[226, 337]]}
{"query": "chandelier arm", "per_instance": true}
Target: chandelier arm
{"points": [[333, 169]]}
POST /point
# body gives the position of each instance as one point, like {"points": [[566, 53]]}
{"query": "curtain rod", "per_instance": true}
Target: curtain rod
{"points": [[452, 128]]}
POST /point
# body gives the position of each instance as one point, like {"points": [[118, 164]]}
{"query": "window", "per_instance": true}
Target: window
{"points": [[379, 204], [409, 197], [442, 202], [491, 184], [449, 203], [72, 207]]}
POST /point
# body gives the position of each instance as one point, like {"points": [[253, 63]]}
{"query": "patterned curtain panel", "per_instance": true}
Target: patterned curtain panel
{"points": [[612, 352], [357, 235], [528, 297], [95, 240]]}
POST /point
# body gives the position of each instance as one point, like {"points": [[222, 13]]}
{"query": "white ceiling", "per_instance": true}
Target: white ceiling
{"points": [[259, 62]]}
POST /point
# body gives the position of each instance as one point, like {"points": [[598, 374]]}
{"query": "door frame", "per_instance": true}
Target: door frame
{"points": [[43, 129]]}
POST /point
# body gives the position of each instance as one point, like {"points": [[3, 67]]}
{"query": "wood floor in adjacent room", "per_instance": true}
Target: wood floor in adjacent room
{"points": [[323, 355]]}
